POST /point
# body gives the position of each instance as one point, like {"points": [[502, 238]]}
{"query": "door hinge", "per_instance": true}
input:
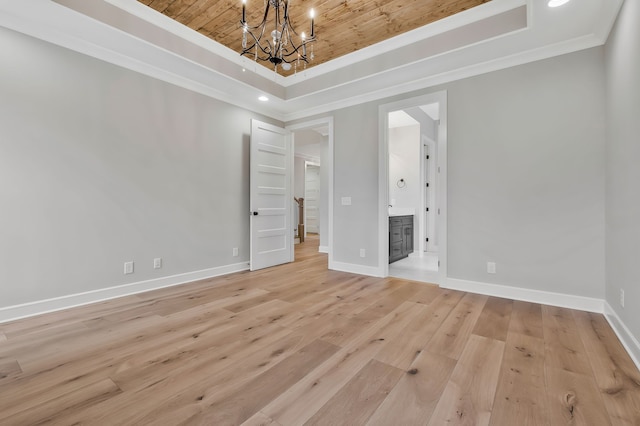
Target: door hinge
{"points": [[427, 239], [427, 157], [438, 263], [427, 184], [427, 208]]}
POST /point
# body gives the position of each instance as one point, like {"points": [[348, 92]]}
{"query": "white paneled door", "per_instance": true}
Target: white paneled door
{"points": [[312, 198], [270, 196]]}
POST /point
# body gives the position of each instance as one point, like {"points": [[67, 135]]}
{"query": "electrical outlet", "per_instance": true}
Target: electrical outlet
{"points": [[128, 268], [235, 251], [622, 297], [491, 267], [363, 253], [157, 263]]}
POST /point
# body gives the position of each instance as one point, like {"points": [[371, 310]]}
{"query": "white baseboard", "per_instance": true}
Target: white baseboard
{"points": [[536, 296], [30, 309], [323, 249], [372, 271], [628, 340]]}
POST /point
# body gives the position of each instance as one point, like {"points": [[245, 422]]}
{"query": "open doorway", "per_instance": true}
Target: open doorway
{"points": [[313, 183], [413, 183]]}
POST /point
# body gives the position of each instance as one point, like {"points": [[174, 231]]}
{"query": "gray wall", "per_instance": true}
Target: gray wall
{"points": [[355, 171], [100, 165], [623, 172], [525, 176]]}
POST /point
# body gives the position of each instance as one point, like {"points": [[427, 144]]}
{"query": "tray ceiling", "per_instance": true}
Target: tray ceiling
{"points": [[342, 26]]}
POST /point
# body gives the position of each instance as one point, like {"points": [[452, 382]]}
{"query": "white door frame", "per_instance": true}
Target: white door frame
{"points": [[329, 167], [383, 178]]}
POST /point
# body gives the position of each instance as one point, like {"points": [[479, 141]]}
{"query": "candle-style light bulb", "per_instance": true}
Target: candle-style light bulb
{"points": [[304, 44], [312, 14], [244, 11]]}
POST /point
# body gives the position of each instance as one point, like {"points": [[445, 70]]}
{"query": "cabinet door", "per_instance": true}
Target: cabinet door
{"points": [[395, 251], [395, 234], [407, 239]]}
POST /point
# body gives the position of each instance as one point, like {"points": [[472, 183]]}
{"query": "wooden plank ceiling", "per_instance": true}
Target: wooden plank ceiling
{"points": [[341, 26]]}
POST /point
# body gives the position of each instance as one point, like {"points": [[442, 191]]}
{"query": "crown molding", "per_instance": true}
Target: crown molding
{"points": [[201, 65]]}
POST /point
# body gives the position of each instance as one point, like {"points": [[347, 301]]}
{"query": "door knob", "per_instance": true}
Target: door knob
{"points": [[254, 213]]}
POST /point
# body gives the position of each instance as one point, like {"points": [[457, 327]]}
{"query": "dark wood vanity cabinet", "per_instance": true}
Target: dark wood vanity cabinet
{"points": [[400, 237]]}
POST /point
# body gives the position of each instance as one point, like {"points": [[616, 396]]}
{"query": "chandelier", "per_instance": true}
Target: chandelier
{"points": [[278, 46]]}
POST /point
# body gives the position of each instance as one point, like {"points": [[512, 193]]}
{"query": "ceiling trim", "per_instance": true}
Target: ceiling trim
{"points": [[57, 24], [578, 25], [450, 76]]}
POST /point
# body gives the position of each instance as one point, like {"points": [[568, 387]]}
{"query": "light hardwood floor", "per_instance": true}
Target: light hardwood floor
{"points": [[298, 344]]}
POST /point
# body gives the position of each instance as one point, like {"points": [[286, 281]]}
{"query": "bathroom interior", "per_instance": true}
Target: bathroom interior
{"points": [[413, 193]]}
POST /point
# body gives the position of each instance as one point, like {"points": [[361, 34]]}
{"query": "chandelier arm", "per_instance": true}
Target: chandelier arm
{"points": [[257, 40], [260, 58], [309, 38], [264, 18], [250, 51], [257, 43], [287, 57]]}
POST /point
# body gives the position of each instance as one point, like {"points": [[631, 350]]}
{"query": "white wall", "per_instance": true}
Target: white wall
{"points": [[623, 173], [100, 165], [404, 163], [525, 182]]}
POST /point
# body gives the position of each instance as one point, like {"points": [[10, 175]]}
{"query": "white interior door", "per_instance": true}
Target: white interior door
{"points": [[270, 196], [312, 198]]}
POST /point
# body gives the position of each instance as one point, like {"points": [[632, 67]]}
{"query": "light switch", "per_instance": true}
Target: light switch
{"points": [[346, 201]]}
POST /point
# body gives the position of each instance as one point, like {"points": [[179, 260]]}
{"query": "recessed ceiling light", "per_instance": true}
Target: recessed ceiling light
{"points": [[556, 3], [263, 98]]}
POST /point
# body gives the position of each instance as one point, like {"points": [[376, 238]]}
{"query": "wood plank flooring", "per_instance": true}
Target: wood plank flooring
{"points": [[301, 345]]}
